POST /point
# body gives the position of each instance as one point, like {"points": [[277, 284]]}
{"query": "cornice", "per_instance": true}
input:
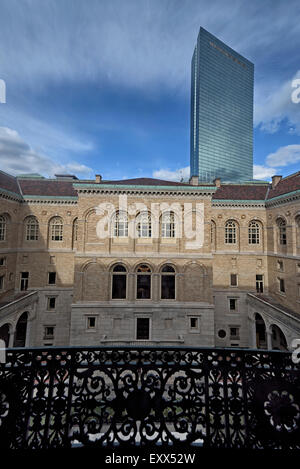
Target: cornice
{"points": [[47, 199], [158, 191], [283, 199], [4, 194], [238, 203]]}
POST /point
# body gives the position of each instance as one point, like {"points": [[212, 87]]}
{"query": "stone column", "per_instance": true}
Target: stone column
{"points": [[11, 337], [252, 329], [155, 287], [269, 339], [131, 278]]}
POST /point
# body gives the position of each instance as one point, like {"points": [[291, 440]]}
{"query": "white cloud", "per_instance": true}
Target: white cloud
{"points": [[284, 156], [181, 174], [17, 157], [263, 172], [276, 105]]}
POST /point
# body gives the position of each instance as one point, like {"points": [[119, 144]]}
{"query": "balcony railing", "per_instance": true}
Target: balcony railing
{"points": [[125, 396]]}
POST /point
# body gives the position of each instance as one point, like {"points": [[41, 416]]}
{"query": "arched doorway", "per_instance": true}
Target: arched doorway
{"points": [[21, 329], [260, 332], [5, 333], [278, 338]]}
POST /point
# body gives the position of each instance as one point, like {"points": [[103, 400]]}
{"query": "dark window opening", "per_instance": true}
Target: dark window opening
{"points": [[259, 284], [232, 304], [281, 285], [142, 328], [119, 283], [51, 278], [143, 288], [91, 322], [193, 323], [24, 281], [168, 287], [51, 303]]}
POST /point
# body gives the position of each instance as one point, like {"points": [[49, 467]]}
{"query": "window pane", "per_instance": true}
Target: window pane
{"points": [[143, 286], [119, 287], [168, 287], [142, 328]]}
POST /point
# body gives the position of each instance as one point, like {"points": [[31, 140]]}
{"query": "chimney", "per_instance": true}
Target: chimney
{"points": [[217, 182], [98, 178], [194, 181], [275, 181]]}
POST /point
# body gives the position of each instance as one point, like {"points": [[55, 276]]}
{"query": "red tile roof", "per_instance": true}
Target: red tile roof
{"points": [[241, 192], [146, 182], [47, 187], [9, 183], [288, 184]]}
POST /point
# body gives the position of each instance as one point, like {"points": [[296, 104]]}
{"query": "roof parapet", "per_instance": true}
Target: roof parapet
{"points": [[217, 182], [194, 181]]}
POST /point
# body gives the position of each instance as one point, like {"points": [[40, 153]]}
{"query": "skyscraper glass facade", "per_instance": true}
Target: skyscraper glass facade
{"points": [[221, 112]]}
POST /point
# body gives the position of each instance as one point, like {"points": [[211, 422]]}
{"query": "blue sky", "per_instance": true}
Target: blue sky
{"points": [[103, 87]]}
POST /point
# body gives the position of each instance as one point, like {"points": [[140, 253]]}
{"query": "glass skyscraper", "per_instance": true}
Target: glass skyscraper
{"points": [[221, 112]]}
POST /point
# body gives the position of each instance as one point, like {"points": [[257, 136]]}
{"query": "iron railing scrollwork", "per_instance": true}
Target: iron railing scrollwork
{"points": [[105, 397]]}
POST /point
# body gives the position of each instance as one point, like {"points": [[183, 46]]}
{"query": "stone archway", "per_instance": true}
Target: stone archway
{"points": [[21, 331], [5, 333], [260, 332], [278, 339]]}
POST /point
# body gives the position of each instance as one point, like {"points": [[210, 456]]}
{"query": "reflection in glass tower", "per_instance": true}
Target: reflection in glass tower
{"points": [[221, 112]]}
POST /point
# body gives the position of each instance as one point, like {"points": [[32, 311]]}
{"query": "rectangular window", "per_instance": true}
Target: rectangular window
{"points": [[1, 282], [24, 281], [234, 333], [232, 304], [49, 332], [143, 287], [168, 287], [142, 328], [233, 280], [194, 324], [298, 268], [51, 278], [91, 322], [281, 285], [51, 302], [2, 260], [259, 283], [119, 286]]}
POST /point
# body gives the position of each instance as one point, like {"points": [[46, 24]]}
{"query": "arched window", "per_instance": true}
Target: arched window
{"points": [[31, 229], [281, 231], [119, 277], [168, 225], [254, 232], [230, 232], [74, 232], [143, 282], [143, 225], [56, 229], [120, 225], [3, 227], [168, 283]]}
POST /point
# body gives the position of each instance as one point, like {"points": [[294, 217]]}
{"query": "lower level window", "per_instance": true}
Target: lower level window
{"points": [[49, 332], [91, 322], [24, 280], [142, 328], [194, 324]]}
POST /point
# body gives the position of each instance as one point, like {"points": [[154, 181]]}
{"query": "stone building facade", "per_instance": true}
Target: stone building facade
{"points": [[145, 261]]}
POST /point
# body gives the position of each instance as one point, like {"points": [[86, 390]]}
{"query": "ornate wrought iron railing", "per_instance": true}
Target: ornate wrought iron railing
{"points": [[105, 397]]}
